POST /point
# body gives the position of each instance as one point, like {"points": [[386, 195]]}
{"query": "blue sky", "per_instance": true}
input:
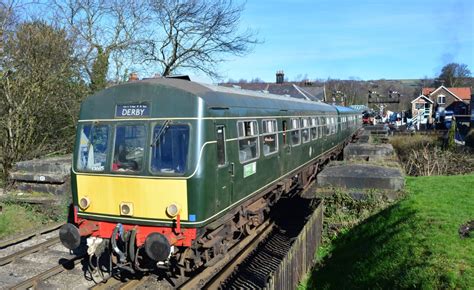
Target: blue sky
{"points": [[391, 39]]}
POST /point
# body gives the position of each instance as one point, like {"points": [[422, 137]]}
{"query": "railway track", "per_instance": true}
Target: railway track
{"points": [[213, 276], [30, 250], [209, 278], [37, 279], [257, 267], [113, 283], [29, 259], [26, 236]]}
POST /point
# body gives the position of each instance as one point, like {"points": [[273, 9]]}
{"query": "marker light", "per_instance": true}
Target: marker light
{"points": [[173, 210], [126, 208], [84, 203]]}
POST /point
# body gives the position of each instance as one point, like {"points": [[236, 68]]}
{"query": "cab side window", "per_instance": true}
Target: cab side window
{"points": [[220, 138]]}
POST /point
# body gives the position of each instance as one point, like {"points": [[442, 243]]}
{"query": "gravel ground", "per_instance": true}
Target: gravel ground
{"points": [[36, 263], [31, 242]]}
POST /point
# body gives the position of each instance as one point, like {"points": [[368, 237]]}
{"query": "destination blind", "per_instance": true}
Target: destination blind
{"points": [[132, 111]]}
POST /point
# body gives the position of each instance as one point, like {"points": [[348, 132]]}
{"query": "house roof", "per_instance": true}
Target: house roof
{"points": [[461, 93], [422, 97], [310, 93]]}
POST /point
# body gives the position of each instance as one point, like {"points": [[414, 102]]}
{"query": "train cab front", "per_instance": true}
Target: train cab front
{"points": [[130, 192]]}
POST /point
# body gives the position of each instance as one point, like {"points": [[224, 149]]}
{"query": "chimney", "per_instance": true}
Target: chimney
{"points": [[280, 76], [133, 77]]}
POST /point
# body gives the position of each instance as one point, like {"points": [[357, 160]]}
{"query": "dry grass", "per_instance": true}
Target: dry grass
{"points": [[422, 155]]}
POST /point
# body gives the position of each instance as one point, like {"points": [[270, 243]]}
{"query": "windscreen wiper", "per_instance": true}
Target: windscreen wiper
{"points": [[162, 131]]}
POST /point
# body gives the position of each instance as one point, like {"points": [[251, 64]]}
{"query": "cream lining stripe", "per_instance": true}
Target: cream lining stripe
{"points": [[207, 118], [233, 204]]}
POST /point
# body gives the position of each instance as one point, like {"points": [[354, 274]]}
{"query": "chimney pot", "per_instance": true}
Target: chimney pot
{"points": [[280, 76], [133, 77]]}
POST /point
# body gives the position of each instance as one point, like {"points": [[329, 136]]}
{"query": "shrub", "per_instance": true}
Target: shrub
{"points": [[422, 155]]}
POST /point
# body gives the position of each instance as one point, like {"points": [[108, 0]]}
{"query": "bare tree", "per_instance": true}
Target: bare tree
{"points": [[196, 35], [104, 30], [454, 75]]}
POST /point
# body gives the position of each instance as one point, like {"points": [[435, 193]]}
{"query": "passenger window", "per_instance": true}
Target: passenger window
{"points": [[270, 137], [305, 131], [93, 148], [221, 152], [248, 140], [295, 132], [327, 130], [314, 129], [320, 127], [129, 146]]}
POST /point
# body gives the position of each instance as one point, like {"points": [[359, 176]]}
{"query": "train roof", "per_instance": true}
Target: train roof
{"points": [[345, 110], [178, 97], [212, 95]]}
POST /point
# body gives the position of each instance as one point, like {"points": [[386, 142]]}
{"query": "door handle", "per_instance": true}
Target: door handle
{"points": [[232, 168]]}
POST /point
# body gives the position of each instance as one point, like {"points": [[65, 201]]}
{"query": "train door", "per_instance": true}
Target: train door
{"points": [[224, 170], [286, 148]]}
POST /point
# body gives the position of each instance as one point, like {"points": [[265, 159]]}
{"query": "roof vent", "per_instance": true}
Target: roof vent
{"points": [[180, 77]]}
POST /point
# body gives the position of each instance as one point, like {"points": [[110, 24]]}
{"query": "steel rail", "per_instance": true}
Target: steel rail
{"points": [[34, 281], [22, 237], [33, 249], [113, 283], [212, 276]]}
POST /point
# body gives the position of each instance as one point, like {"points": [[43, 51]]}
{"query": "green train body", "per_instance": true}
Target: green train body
{"points": [[193, 154]]}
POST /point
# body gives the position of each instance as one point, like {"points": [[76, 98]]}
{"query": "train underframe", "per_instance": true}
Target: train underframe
{"points": [[181, 251]]}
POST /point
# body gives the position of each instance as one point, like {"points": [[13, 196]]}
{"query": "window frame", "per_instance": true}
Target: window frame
{"points": [[314, 126], [110, 135], [321, 127], [298, 122], [112, 155], [333, 125], [307, 128], [275, 132], [226, 160], [439, 98], [150, 152], [239, 138]]}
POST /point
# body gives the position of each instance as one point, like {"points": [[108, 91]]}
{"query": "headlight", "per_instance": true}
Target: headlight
{"points": [[84, 202], [126, 208], [173, 210]]}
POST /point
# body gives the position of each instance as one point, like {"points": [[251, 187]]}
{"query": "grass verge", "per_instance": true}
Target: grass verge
{"points": [[411, 244], [16, 218]]}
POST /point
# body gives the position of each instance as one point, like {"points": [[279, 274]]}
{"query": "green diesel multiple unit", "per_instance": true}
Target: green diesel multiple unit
{"points": [[169, 170]]}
